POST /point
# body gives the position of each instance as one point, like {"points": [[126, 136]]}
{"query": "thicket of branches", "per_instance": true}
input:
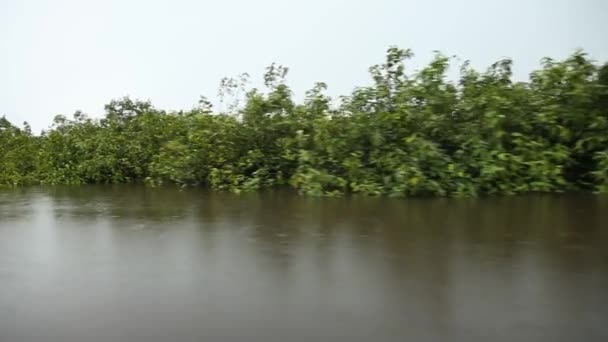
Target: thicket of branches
{"points": [[407, 134]]}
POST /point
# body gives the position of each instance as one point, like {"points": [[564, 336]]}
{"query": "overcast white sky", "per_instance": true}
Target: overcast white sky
{"points": [[65, 55]]}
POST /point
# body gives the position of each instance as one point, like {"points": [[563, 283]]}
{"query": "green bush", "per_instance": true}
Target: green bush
{"points": [[407, 134]]}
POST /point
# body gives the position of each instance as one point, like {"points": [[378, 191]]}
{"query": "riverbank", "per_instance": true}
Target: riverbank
{"points": [[417, 134]]}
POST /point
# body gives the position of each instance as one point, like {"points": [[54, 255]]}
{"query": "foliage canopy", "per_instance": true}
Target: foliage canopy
{"points": [[406, 134]]}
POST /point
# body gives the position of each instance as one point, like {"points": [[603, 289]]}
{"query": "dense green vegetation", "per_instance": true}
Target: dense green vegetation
{"points": [[406, 134]]}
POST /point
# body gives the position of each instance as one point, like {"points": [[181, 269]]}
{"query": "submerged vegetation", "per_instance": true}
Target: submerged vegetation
{"points": [[406, 134]]}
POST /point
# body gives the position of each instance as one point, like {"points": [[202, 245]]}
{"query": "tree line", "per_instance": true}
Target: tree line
{"points": [[407, 134]]}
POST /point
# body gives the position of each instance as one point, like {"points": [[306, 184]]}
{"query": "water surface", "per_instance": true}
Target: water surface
{"points": [[129, 263]]}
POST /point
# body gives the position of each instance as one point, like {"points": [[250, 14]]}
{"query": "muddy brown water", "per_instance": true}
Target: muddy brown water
{"points": [[130, 263]]}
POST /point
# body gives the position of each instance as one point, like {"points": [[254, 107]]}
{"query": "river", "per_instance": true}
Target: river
{"points": [[130, 263]]}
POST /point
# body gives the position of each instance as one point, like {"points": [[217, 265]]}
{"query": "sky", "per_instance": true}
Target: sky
{"points": [[60, 56]]}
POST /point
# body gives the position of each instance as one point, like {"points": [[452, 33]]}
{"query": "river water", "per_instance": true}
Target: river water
{"points": [[130, 263]]}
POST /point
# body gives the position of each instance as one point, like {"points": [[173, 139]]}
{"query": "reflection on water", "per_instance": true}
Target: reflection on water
{"points": [[129, 263]]}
